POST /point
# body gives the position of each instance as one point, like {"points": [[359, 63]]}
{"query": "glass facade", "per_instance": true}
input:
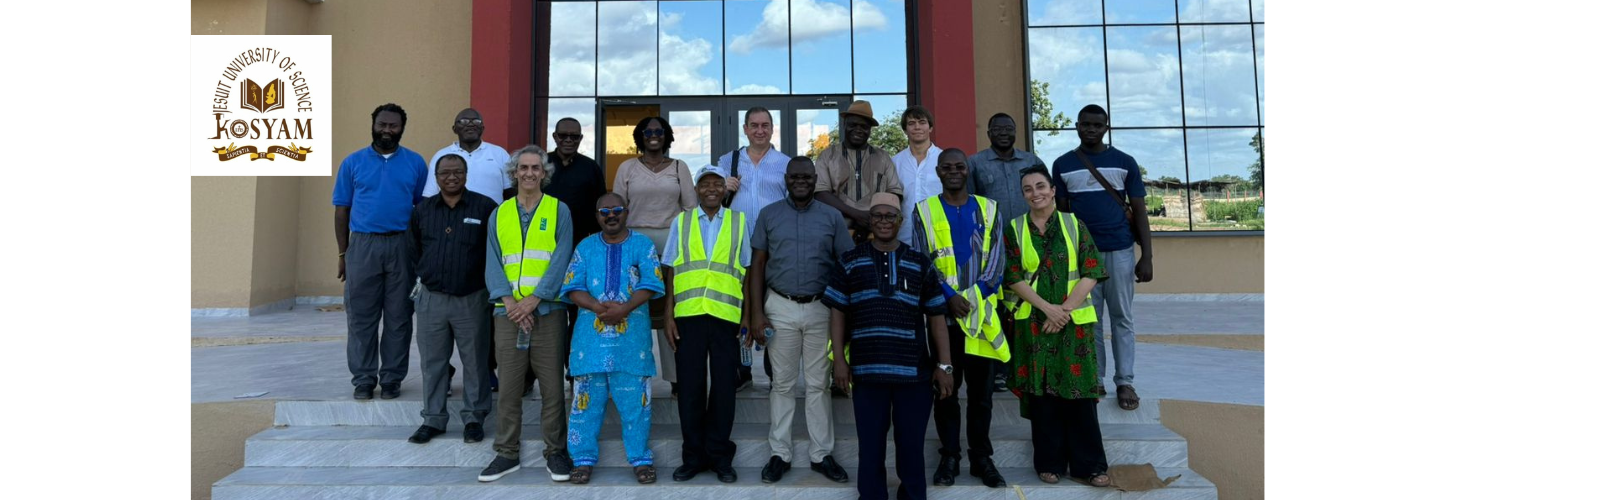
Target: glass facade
{"points": [[1183, 83]]}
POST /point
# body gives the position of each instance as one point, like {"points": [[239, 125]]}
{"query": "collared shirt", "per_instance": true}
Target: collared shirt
{"points": [[760, 184], [611, 273], [578, 182], [486, 170], [447, 243], [885, 297], [966, 235], [494, 269], [802, 245], [1000, 179], [919, 179], [837, 169], [380, 191], [708, 236]]}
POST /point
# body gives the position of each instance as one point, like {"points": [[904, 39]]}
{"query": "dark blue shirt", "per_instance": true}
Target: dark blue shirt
{"points": [[1088, 199], [885, 297], [380, 191]]}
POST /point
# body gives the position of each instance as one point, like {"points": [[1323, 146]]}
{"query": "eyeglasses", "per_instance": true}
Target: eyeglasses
{"points": [[1002, 130], [469, 121], [607, 212], [884, 217], [654, 132], [452, 173], [568, 137]]}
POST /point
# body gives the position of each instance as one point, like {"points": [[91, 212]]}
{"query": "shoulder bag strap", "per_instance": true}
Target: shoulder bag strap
{"points": [[1103, 183]]}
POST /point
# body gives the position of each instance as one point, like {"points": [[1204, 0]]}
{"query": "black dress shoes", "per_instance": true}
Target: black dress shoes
{"points": [[983, 468], [364, 391], [725, 474], [831, 470], [425, 434], [686, 472], [774, 470], [473, 434], [945, 475], [390, 391]]}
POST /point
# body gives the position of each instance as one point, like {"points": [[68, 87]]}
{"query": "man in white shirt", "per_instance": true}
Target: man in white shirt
{"points": [[486, 163], [754, 182], [915, 164]]}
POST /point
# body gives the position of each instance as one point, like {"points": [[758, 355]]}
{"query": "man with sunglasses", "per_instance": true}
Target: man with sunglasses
{"points": [[578, 180], [486, 162]]}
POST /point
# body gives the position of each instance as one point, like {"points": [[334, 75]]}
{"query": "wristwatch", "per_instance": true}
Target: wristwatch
{"points": [[948, 369]]}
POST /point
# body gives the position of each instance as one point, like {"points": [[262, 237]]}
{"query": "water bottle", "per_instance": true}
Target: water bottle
{"points": [[744, 351], [524, 337]]}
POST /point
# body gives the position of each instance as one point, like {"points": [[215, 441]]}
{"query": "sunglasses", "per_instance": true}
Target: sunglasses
{"points": [[568, 137], [655, 132], [607, 212], [469, 121]]}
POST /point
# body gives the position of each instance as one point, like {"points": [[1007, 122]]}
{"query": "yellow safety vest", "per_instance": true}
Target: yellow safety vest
{"points": [[712, 286], [1030, 266], [526, 262], [982, 323]]}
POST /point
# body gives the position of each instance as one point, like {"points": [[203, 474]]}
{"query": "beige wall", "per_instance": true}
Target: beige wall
{"points": [[277, 208], [221, 220], [1208, 264], [288, 17], [998, 74], [227, 17], [1227, 444], [379, 57]]}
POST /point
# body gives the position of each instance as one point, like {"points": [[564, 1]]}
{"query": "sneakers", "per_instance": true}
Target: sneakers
{"points": [[499, 468], [390, 391], [945, 474], [364, 391], [983, 468], [1000, 382], [831, 470], [774, 470], [559, 465]]}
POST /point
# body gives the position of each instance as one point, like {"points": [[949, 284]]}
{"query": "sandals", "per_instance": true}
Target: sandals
{"points": [[646, 474], [1126, 398], [1049, 477], [1100, 480], [581, 474]]}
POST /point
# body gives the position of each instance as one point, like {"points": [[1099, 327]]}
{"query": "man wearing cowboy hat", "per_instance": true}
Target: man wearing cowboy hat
{"points": [[850, 172]]}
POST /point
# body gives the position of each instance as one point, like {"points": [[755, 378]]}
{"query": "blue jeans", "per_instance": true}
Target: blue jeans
{"points": [[590, 392], [1113, 303]]}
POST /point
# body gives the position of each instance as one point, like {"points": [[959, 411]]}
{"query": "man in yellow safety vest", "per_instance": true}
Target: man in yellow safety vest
{"points": [[961, 233]]}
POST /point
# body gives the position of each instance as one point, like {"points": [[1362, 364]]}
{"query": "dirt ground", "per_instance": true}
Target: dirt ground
{"points": [[216, 440], [1227, 444]]}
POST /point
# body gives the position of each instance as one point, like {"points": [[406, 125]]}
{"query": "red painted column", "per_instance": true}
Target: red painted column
{"points": [[944, 70], [502, 53]]}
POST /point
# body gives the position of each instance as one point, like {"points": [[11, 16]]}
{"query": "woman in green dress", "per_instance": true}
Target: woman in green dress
{"points": [[1052, 265]]}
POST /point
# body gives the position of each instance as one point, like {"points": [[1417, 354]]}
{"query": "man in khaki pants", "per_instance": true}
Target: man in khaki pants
{"points": [[794, 246], [530, 245]]}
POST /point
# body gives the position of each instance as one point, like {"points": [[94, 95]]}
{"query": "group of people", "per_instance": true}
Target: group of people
{"points": [[894, 278]]}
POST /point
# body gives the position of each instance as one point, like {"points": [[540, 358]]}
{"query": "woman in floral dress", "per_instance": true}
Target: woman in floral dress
{"points": [[1053, 346]]}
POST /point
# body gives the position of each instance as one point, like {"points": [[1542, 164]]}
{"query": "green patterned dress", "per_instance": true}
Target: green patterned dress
{"points": [[1055, 363]]}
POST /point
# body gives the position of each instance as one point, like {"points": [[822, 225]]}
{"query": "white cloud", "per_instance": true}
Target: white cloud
{"points": [[817, 21], [752, 88]]}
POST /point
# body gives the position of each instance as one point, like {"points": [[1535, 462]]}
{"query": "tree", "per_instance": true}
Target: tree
{"points": [[886, 136], [1169, 179], [1226, 178], [1258, 176], [1044, 113]]}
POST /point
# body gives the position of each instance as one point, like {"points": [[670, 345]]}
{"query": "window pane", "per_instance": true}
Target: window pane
{"points": [[1144, 76], [1213, 11], [572, 45], [1068, 71], [1261, 70], [777, 130], [1139, 11], [691, 48], [582, 110], [758, 47], [1259, 9], [1061, 12], [821, 46], [691, 137], [1219, 175], [1160, 156], [880, 45], [815, 128], [1218, 75], [627, 48], [886, 108], [1049, 145]]}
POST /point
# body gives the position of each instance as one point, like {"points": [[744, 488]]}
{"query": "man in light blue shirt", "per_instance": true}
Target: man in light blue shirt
{"points": [[763, 166]]}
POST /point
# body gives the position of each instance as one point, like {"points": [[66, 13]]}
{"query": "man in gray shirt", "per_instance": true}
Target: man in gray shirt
{"points": [[794, 246], [996, 174]]}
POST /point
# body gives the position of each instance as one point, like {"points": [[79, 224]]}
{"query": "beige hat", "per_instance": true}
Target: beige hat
{"points": [[862, 109], [885, 199]]}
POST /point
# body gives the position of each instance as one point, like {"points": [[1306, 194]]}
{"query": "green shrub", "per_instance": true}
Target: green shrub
{"points": [[1153, 202], [1217, 211]]}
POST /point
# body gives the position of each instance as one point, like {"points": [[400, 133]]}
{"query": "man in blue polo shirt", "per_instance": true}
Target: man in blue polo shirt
{"points": [[1080, 191], [372, 200]]}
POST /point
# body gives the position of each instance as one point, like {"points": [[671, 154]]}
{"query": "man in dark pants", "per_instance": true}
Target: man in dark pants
{"points": [[578, 181], [995, 174], [888, 344], [448, 238], [373, 194], [708, 250], [962, 235]]}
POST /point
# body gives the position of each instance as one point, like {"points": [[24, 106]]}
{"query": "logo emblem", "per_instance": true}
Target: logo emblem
{"points": [[265, 98]]}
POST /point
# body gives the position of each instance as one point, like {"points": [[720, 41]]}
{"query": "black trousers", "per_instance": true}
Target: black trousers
{"points": [[707, 422], [1066, 432], [906, 407], [978, 373]]}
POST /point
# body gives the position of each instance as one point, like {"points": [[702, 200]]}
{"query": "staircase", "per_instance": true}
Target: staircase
{"points": [[358, 449]]}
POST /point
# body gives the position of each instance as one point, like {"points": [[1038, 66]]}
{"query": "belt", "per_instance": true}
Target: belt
{"points": [[798, 299], [390, 233]]}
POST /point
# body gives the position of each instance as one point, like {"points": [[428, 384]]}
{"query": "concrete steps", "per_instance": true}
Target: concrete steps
{"points": [[390, 483]]}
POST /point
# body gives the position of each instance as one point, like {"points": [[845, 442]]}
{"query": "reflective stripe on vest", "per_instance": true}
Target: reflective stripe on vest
{"points": [[982, 323], [526, 260], [714, 285], [1021, 226]]}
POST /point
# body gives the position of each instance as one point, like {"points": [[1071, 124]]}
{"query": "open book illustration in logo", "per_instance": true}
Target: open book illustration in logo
{"points": [[261, 98]]}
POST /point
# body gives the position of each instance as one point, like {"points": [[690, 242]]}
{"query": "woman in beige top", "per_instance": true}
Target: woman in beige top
{"points": [[657, 188]]}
